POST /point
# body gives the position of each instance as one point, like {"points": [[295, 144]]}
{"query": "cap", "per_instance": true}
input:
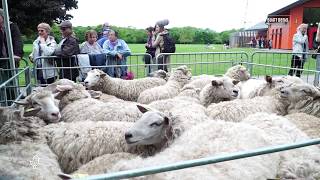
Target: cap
{"points": [[163, 22], [65, 24]]}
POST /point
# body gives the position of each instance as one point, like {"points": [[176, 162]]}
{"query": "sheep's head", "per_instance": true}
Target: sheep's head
{"points": [[238, 72], [93, 78], [150, 129], [181, 74], [160, 74], [225, 88], [42, 104], [297, 92]]}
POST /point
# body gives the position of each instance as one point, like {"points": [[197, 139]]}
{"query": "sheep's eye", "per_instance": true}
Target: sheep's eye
{"points": [[155, 124]]}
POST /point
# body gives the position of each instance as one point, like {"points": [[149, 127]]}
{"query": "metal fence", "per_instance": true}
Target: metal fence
{"points": [[14, 83]]}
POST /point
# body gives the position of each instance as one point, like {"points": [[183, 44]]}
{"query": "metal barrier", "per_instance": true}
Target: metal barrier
{"points": [[279, 63], [13, 87], [201, 162], [203, 62]]}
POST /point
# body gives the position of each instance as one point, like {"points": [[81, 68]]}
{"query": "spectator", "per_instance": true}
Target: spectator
{"points": [[105, 33], [44, 45], [254, 42], [150, 50], [67, 47], [317, 47], [158, 43], [90, 46], [270, 44], [117, 50], [4, 63], [300, 47]]}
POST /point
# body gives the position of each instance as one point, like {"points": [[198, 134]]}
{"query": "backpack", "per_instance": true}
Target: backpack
{"points": [[169, 44]]}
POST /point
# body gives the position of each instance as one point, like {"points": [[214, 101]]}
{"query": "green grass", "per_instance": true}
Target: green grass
{"points": [[214, 65]]}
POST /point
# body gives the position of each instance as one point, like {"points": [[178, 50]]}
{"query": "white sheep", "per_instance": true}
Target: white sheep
{"points": [[238, 72], [77, 143], [239, 109], [281, 131], [212, 138], [307, 123], [124, 89], [220, 89], [172, 88]]}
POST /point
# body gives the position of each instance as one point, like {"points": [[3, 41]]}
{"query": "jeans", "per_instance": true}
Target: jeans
{"points": [[316, 78], [118, 72], [296, 62]]}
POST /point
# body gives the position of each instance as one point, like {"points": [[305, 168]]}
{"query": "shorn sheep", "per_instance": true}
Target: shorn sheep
{"points": [[77, 143], [220, 89], [124, 89], [179, 77], [212, 138]]}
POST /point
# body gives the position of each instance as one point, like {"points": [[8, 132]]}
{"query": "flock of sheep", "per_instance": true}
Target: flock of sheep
{"points": [[108, 125]]}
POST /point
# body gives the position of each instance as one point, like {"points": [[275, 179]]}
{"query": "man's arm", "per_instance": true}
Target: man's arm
{"points": [[126, 50], [70, 47]]}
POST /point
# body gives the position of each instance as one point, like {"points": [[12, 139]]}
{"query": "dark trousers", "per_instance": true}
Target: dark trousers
{"points": [[68, 73], [7, 94], [296, 62], [162, 61]]}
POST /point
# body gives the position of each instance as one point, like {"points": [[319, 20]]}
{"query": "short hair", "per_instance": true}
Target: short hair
{"points": [[150, 29], [115, 32], [90, 33], [45, 26]]}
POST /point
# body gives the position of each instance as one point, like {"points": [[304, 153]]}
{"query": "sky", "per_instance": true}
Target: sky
{"points": [[218, 15]]}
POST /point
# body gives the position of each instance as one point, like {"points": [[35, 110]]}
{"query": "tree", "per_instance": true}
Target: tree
{"points": [[29, 13]]}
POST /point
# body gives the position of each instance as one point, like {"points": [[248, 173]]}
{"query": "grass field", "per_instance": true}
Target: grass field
{"points": [[213, 63]]}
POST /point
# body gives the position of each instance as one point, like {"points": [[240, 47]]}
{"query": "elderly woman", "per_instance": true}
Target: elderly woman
{"points": [[44, 45], [90, 46], [300, 48]]}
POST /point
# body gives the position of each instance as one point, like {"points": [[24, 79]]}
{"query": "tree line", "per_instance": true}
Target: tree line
{"points": [[182, 35]]}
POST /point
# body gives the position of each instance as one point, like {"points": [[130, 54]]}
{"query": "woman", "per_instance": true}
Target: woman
{"points": [[158, 43], [44, 45], [90, 46], [149, 50]]}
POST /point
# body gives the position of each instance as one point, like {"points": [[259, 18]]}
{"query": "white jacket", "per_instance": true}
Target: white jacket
{"points": [[47, 49], [298, 41]]}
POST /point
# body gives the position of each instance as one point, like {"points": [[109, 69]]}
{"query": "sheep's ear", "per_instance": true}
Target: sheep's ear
{"points": [[166, 120], [95, 94], [22, 102], [268, 79], [62, 88], [142, 109], [216, 83], [235, 82], [31, 111]]}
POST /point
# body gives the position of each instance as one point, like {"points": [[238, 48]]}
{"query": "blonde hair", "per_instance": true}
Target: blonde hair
{"points": [[90, 33], [302, 26], [45, 26]]}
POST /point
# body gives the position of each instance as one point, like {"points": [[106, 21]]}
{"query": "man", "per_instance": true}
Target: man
{"points": [[300, 47], [4, 63], [105, 33], [67, 47], [117, 50]]}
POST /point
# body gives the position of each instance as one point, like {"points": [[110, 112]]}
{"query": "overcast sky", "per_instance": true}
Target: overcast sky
{"points": [[218, 15]]}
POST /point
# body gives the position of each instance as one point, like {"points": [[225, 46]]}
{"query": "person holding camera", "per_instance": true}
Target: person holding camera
{"points": [[300, 50]]}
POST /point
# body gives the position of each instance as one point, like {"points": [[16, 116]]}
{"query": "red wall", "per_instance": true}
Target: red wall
{"points": [[288, 30]]}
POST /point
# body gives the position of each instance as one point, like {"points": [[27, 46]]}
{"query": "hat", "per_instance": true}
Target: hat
{"points": [[65, 24], [163, 22]]}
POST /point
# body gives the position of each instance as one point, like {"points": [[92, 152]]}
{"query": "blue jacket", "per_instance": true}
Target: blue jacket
{"points": [[121, 47]]}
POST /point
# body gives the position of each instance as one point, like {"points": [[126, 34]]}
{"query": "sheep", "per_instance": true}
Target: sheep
{"points": [[126, 90], [220, 89], [74, 98], [281, 131], [256, 87], [212, 138], [103, 164], [238, 72], [28, 160], [239, 109], [177, 80], [201, 81], [77, 143], [160, 74], [105, 97], [307, 123], [302, 98]]}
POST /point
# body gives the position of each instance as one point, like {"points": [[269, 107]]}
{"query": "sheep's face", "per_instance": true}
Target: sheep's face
{"points": [[181, 74], [149, 129], [279, 82], [41, 104], [225, 88], [297, 92], [93, 78]]}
